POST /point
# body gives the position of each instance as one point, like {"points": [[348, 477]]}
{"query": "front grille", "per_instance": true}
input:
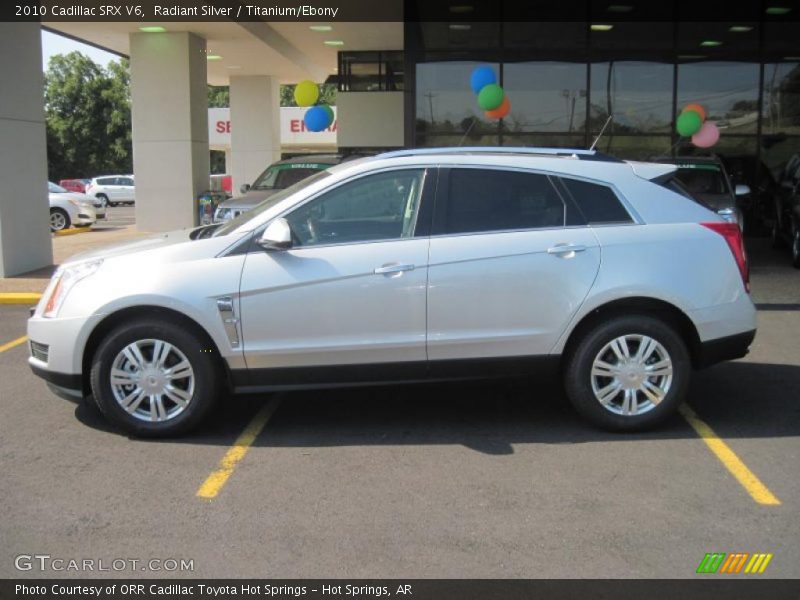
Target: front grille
{"points": [[40, 351]]}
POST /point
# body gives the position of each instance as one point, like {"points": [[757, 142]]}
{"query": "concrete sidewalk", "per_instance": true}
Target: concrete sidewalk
{"points": [[63, 248]]}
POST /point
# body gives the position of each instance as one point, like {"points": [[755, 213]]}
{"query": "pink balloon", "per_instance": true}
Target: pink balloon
{"points": [[707, 136]]}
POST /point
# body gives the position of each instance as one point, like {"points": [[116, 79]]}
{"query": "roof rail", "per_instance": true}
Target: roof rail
{"points": [[579, 153]]}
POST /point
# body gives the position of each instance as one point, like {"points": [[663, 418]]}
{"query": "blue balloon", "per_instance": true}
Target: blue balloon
{"points": [[481, 76], [316, 119]]}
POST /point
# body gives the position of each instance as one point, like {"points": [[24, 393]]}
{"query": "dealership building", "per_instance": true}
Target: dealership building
{"points": [[566, 67]]}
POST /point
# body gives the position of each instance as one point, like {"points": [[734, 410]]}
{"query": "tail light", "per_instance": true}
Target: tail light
{"points": [[733, 235]]}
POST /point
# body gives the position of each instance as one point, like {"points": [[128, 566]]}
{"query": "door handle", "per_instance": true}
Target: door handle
{"points": [[393, 268], [566, 250]]}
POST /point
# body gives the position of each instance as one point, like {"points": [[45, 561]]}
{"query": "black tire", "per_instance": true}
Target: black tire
{"points": [[578, 369], [203, 358], [104, 199], [62, 213], [796, 247]]}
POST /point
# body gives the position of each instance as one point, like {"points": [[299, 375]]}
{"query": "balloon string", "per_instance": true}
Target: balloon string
{"points": [[466, 133]]}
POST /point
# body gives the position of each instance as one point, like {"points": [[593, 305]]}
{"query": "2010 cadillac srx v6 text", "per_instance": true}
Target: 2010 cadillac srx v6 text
{"points": [[413, 265]]}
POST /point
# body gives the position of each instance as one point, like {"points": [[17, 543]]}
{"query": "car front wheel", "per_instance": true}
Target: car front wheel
{"points": [[796, 247], [59, 219], [628, 373], [153, 378]]}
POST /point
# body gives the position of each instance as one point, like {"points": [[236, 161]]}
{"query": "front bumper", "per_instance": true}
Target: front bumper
{"points": [[60, 343], [63, 384]]}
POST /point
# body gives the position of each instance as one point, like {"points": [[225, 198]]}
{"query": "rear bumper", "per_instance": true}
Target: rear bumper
{"points": [[725, 348]]}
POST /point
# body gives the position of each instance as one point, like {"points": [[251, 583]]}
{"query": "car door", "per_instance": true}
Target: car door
{"points": [[348, 298], [508, 266], [127, 189]]}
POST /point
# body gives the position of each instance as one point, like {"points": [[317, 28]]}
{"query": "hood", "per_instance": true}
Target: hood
{"points": [[250, 199], [77, 196], [150, 243]]}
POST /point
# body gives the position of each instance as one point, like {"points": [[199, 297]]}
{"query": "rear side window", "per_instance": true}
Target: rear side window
{"points": [[482, 200], [598, 203]]}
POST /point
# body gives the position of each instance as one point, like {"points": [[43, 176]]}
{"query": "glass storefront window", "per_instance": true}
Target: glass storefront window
{"points": [[727, 90], [635, 147], [638, 94], [546, 96], [781, 108], [445, 102]]}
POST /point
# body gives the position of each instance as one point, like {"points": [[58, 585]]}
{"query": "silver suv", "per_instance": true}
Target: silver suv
{"points": [[414, 265], [113, 189]]}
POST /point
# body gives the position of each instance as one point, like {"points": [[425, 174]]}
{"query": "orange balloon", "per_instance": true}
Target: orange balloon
{"points": [[501, 111], [696, 108]]}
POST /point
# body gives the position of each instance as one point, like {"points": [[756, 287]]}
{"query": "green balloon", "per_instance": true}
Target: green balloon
{"points": [[490, 97], [689, 123], [328, 110]]}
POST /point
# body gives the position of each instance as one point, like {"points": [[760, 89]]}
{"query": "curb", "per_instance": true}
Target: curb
{"points": [[72, 231], [24, 298]]}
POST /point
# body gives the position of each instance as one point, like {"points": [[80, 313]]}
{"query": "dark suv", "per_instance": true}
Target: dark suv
{"points": [[276, 177], [786, 220], [707, 181]]}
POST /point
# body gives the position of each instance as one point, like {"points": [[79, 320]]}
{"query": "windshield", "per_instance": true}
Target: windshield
{"points": [[702, 178], [273, 200], [282, 176], [55, 189]]}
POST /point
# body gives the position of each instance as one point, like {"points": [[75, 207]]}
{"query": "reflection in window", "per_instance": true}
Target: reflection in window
{"points": [[375, 207], [781, 98], [635, 147], [490, 200], [547, 96], [445, 102], [727, 90], [638, 94]]}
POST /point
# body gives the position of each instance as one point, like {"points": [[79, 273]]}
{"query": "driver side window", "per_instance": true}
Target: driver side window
{"points": [[376, 207]]}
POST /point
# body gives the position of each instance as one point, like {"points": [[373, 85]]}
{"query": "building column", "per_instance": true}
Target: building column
{"points": [[169, 113], [255, 127], [25, 242]]}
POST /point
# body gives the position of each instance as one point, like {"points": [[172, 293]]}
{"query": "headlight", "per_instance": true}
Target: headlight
{"points": [[64, 280]]}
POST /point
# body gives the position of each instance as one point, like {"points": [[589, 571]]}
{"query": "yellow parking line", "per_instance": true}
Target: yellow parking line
{"points": [[19, 297], [214, 483], [757, 490], [13, 343], [73, 231]]}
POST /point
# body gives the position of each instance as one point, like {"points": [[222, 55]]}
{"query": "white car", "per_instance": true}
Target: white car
{"points": [[112, 190], [71, 208], [412, 266]]}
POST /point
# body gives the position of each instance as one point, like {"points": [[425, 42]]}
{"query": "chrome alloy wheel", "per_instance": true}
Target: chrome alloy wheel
{"points": [[152, 380], [57, 221], [631, 375]]}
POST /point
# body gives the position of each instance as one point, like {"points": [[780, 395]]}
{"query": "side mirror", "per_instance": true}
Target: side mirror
{"points": [[245, 187], [741, 190], [277, 236]]}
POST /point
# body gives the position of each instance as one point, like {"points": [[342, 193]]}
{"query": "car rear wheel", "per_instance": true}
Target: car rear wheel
{"points": [[154, 378], [796, 247], [628, 373], [59, 219]]}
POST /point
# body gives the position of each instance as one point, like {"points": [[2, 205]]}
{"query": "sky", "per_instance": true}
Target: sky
{"points": [[56, 44]]}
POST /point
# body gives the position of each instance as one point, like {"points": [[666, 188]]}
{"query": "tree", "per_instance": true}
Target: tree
{"points": [[327, 94], [88, 117], [219, 96]]}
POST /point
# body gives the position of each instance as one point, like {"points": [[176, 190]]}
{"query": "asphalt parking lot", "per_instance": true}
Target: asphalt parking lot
{"points": [[500, 479]]}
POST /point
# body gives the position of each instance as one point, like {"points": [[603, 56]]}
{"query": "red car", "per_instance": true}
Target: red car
{"points": [[74, 185]]}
